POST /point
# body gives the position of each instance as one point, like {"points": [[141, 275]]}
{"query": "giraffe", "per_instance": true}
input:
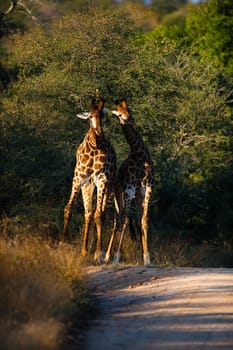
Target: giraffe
{"points": [[95, 167], [135, 179]]}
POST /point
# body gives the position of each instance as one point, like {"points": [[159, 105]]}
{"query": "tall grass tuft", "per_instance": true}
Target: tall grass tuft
{"points": [[41, 290]]}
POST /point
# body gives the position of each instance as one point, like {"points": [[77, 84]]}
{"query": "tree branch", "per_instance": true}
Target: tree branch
{"points": [[27, 10], [9, 10], [12, 6]]}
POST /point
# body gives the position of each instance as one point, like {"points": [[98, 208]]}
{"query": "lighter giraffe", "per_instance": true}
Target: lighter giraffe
{"points": [[135, 179], [95, 167]]}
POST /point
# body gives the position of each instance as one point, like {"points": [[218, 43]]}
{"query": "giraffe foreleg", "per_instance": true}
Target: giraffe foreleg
{"points": [[98, 217], [98, 256], [144, 226], [87, 194], [138, 202]]}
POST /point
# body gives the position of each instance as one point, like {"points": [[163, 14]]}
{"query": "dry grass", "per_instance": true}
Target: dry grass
{"points": [[171, 251], [42, 285], [41, 289], [167, 249]]}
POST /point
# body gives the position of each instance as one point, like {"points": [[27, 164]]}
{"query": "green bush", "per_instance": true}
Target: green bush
{"points": [[181, 107]]}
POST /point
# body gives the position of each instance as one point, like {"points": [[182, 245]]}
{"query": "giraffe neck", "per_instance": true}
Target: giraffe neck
{"points": [[95, 141], [133, 138]]}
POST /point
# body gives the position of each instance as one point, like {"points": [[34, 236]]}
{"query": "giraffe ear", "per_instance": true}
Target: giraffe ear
{"points": [[84, 115]]}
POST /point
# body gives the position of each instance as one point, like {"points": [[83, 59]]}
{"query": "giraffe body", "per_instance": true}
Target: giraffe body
{"points": [[135, 179], [95, 167]]}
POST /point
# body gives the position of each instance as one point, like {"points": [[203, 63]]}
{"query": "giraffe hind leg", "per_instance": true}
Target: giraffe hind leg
{"points": [[67, 215], [116, 225], [98, 217], [68, 209], [113, 235], [117, 255], [128, 196]]}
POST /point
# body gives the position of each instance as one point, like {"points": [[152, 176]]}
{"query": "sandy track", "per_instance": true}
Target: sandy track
{"points": [[150, 308]]}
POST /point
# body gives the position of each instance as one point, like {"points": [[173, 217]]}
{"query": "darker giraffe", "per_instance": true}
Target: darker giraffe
{"points": [[135, 179], [95, 167]]}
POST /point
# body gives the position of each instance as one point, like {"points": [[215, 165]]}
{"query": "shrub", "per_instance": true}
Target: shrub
{"points": [[42, 289]]}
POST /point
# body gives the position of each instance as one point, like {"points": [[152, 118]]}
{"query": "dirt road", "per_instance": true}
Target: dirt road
{"points": [[162, 309]]}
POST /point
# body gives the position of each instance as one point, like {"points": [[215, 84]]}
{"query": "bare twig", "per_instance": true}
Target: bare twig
{"points": [[27, 10], [12, 7], [9, 10]]}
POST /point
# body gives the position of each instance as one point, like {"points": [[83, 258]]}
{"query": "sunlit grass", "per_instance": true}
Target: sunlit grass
{"points": [[41, 289], [42, 285]]}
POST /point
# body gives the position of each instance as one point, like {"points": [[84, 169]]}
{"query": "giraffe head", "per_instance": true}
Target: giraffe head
{"points": [[123, 112], [95, 116]]}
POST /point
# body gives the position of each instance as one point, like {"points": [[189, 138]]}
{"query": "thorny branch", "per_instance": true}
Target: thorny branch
{"points": [[12, 7]]}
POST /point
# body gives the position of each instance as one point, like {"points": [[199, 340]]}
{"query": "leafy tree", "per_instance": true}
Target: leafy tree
{"points": [[164, 7], [60, 67], [182, 112], [210, 28], [180, 105], [176, 18]]}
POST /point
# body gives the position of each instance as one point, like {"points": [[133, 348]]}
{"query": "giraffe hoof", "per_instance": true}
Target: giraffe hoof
{"points": [[99, 258], [107, 258], [116, 258], [84, 253], [146, 259]]}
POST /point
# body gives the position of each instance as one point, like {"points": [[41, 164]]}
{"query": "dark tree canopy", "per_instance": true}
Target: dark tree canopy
{"points": [[177, 83]]}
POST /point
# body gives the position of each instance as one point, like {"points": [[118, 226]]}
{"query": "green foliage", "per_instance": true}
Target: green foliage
{"points": [[177, 18], [209, 27], [182, 113], [168, 6], [59, 69], [181, 106]]}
